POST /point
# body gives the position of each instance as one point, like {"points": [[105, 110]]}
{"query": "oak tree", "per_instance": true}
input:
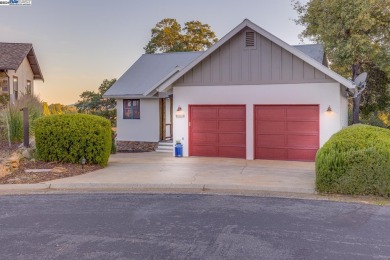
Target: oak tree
{"points": [[355, 35], [169, 36], [94, 103]]}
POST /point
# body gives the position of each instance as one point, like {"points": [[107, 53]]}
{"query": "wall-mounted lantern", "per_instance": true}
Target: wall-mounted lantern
{"points": [[180, 113], [329, 109]]}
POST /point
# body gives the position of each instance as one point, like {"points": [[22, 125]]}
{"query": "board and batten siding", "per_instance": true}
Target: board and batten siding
{"points": [[266, 63]]}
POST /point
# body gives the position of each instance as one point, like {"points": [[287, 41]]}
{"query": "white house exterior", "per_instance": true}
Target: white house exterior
{"points": [[249, 96], [18, 69]]}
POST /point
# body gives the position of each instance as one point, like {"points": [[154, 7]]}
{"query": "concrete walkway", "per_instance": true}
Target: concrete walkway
{"points": [[161, 170]]}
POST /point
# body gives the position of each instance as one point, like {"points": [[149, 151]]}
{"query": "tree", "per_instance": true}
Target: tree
{"points": [[46, 110], [56, 109], [355, 35], [168, 36], [94, 103]]}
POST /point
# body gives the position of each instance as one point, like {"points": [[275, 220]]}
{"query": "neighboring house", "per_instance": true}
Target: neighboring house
{"points": [[251, 96], [18, 69]]}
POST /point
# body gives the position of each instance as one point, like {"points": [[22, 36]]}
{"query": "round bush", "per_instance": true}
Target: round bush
{"points": [[355, 160], [69, 138]]}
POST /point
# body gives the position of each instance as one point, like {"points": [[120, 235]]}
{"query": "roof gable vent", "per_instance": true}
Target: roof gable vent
{"points": [[250, 39]]}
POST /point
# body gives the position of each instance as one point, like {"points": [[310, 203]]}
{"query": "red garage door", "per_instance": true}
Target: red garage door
{"points": [[217, 131], [286, 132]]}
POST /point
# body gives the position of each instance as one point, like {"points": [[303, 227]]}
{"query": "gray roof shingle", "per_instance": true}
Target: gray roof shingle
{"points": [[314, 51], [12, 55], [148, 70], [151, 69]]}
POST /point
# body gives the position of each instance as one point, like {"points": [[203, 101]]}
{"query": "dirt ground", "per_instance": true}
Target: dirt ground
{"points": [[19, 176]]}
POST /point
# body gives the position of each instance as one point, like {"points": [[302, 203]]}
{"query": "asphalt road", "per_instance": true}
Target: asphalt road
{"points": [[134, 226]]}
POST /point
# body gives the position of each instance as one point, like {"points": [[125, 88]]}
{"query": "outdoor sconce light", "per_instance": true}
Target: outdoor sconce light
{"points": [[329, 109], [179, 113]]}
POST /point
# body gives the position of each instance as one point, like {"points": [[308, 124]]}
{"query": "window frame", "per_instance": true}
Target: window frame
{"points": [[128, 105], [29, 90]]}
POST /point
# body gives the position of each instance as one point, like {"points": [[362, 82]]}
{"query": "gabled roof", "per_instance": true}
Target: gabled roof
{"points": [[13, 54], [248, 24], [149, 72]]}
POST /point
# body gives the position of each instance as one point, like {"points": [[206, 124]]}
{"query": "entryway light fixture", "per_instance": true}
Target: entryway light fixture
{"points": [[179, 112], [329, 109]]}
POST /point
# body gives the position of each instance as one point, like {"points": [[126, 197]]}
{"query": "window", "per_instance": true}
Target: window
{"points": [[4, 85], [28, 88], [131, 109], [16, 88]]}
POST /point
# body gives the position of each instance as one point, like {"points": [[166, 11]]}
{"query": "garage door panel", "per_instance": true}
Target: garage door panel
{"points": [[222, 133], [232, 139], [286, 132], [307, 141], [231, 151], [231, 113], [204, 113], [303, 127], [204, 150], [270, 126], [204, 138], [270, 112], [270, 140], [272, 153], [232, 126], [302, 154], [205, 125], [303, 112]]}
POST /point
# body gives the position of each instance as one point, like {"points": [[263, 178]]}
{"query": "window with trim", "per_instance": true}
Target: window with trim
{"points": [[16, 87], [28, 88], [131, 109], [4, 85]]}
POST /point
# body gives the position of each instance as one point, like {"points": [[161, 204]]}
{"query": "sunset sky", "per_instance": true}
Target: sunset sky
{"points": [[81, 43]]}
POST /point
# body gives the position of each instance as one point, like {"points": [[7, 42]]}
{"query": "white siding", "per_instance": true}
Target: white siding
{"points": [[145, 129], [324, 94], [344, 107], [23, 73]]}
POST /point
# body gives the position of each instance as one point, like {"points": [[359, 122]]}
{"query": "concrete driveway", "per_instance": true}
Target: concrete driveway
{"points": [[162, 170]]}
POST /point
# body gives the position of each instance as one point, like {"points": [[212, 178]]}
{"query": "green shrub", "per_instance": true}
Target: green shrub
{"points": [[71, 137], [355, 160]]}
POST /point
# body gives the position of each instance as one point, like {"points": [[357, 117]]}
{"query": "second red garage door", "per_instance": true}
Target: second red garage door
{"points": [[286, 132], [217, 131]]}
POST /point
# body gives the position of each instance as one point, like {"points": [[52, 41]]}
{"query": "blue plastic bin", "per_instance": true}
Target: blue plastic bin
{"points": [[178, 150]]}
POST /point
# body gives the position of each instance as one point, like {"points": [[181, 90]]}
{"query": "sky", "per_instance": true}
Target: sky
{"points": [[80, 43]]}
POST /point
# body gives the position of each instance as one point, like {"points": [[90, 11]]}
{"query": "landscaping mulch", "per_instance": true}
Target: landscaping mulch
{"points": [[5, 150], [19, 176]]}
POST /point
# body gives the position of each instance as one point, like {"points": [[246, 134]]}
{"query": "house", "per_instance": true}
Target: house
{"points": [[18, 69], [250, 96]]}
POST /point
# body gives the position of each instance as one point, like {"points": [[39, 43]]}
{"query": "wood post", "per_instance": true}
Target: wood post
{"points": [[26, 128]]}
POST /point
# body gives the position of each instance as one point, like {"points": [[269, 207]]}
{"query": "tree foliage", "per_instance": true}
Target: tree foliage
{"points": [[94, 103], [169, 36], [355, 35]]}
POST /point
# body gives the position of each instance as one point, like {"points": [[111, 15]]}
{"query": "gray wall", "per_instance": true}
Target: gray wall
{"points": [[266, 63]]}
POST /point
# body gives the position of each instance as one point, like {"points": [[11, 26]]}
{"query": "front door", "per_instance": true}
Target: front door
{"points": [[166, 116]]}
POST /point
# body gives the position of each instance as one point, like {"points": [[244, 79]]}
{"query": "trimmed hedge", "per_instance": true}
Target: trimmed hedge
{"points": [[71, 137], [355, 161]]}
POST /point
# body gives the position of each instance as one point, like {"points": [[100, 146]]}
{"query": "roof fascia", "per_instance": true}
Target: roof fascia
{"points": [[36, 60], [269, 36]]}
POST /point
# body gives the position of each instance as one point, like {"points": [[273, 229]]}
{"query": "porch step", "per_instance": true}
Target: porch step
{"points": [[165, 147]]}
